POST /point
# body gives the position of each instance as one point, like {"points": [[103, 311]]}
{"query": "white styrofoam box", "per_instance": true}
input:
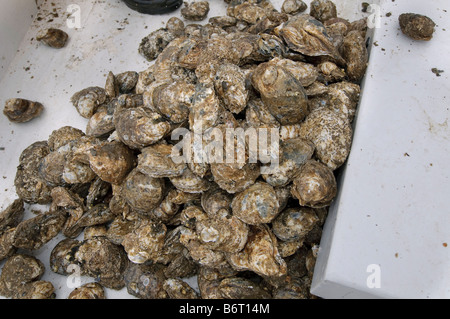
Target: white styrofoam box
{"points": [[388, 203], [16, 17], [388, 230]]}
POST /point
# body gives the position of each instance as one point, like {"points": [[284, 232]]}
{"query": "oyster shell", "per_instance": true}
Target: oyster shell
{"points": [[315, 185], [88, 100], [416, 26], [195, 11], [331, 134], [20, 110], [281, 93], [29, 185], [256, 205], [91, 290], [52, 37], [308, 36]]}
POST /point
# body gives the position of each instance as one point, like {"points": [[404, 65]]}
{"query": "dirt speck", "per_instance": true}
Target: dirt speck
{"points": [[437, 71]]}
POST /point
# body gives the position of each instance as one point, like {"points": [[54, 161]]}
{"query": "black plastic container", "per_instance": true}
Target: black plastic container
{"points": [[154, 6]]}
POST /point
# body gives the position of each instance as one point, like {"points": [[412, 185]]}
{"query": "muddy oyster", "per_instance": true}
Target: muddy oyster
{"points": [[146, 281], [70, 204], [172, 100], [231, 87], [87, 100], [142, 192], [242, 288], [156, 161], [225, 233], [260, 254], [111, 161], [7, 248], [234, 177], [12, 215], [29, 185], [35, 232], [306, 35], [178, 289], [281, 93], [153, 44], [138, 128], [256, 205], [91, 290], [63, 136], [323, 10], [126, 81], [293, 6], [331, 134], [20, 279], [205, 109], [101, 259], [195, 11], [355, 54], [315, 185], [417, 26], [52, 37], [203, 255], [189, 182], [145, 243], [294, 153], [20, 110], [294, 223], [62, 258]]}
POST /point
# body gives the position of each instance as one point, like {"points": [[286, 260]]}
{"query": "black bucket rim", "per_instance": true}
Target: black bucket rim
{"points": [[153, 6]]}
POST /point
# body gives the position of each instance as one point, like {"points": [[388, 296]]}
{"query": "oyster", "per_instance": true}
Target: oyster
{"points": [[12, 215], [52, 37], [20, 279], [20, 110], [416, 26], [153, 44], [178, 289], [281, 92], [62, 256], [88, 100], [172, 100], [323, 10], [331, 134], [242, 288], [101, 259], [195, 11], [294, 223], [35, 232], [260, 254], [138, 128], [92, 290], [142, 192], [127, 81], [224, 233], [315, 185], [256, 205], [146, 281], [230, 85], [145, 243], [355, 54], [308, 36], [294, 153], [111, 161], [30, 187], [156, 161], [293, 6]]}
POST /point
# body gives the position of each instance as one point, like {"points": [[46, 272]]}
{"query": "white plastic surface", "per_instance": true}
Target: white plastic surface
{"points": [[388, 232], [389, 203]]}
